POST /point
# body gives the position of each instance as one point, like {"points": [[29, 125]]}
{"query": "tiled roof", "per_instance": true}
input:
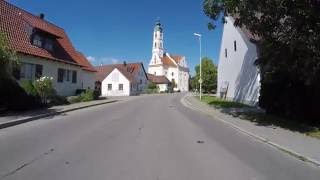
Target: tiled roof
{"points": [[176, 58], [167, 61], [18, 25], [128, 70], [158, 79], [85, 63]]}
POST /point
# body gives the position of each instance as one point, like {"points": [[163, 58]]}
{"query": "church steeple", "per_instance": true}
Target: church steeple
{"points": [[157, 49]]}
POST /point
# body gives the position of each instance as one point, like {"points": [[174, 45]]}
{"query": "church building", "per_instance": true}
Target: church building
{"points": [[174, 67]]}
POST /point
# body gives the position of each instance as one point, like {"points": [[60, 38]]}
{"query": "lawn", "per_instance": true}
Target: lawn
{"points": [[260, 118], [220, 103]]}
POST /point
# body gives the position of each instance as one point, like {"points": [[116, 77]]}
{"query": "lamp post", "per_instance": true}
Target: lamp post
{"points": [[200, 80]]}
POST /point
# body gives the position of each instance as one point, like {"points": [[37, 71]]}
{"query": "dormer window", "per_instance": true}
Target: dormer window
{"points": [[49, 45], [37, 41]]}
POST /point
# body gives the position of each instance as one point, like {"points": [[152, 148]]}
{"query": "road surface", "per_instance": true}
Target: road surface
{"points": [[146, 138]]}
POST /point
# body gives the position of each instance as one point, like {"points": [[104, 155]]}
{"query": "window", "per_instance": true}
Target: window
{"points": [[140, 81], [37, 41], [67, 76], [27, 71], [109, 87], [120, 87], [61, 73], [38, 72], [74, 76], [49, 45], [172, 73], [235, 45], [155, 73], [226, 52]]}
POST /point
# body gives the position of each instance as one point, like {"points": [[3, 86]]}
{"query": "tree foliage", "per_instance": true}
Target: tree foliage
{"points": [[209, 76], [8, 58], [289, 51]]}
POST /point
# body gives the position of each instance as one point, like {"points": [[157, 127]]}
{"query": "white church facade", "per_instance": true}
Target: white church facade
{"points": [[238, 77], [174, 67]]}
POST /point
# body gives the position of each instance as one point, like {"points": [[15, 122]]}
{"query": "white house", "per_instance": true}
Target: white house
{"points": [[174, 67], [122, 79], [238, 77], [162, 82], [44, 49]]}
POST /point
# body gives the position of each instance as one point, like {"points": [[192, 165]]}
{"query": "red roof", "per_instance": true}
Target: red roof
{"points": [[158, 79], [167, 61], [19, 25], [128, 70]]}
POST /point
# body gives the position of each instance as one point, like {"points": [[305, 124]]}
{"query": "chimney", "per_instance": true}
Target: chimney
{"points": [[41, 16]]}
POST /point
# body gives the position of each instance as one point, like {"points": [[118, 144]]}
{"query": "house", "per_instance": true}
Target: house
{"points": [[162, 82], [44, 49], [238, 77], [122, 79], [174, 67]]}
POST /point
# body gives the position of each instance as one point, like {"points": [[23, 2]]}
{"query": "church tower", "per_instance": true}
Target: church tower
{"points": [[157, 47]]}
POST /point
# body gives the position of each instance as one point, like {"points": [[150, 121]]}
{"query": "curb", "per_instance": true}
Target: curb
{"points": [[259, 138], [29, 119]]}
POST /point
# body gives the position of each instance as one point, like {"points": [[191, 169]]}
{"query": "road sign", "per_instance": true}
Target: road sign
{"points": [[200, 81]]}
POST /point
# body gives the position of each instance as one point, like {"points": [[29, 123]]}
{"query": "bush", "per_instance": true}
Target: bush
{"points": [[44, 87], [14, 97], [150, 91], [73, 99], [56, 100], [87, 96], [152, 86], [80, 91], [29, 88]]}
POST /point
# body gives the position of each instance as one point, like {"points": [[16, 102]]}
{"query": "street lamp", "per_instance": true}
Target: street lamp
{"points": [[200, 80]]}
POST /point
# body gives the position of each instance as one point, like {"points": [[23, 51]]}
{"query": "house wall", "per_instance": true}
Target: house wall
{"points": [[50, 68], [115, 78], [88, 79], [162, 87], [141, 76], [156, 70], [183, 84], [238, 69]]}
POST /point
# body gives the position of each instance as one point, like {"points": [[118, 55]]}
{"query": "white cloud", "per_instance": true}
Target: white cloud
{"points": [[91, 59], [104, 60]]}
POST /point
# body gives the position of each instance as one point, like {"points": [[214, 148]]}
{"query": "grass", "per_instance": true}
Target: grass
{"points": [[260, 118], [220, 103]]}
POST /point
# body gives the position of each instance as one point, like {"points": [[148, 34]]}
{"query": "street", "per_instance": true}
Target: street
{"points": [[152, 137]]}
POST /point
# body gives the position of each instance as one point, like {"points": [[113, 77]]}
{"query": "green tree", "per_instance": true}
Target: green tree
{"points": [[8, 58], [209, 76], [287, 35]]}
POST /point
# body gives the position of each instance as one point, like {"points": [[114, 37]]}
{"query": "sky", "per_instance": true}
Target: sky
{"points": [[113, 31]]}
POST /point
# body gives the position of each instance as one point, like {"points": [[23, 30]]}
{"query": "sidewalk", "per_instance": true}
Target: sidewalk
{"points": [[12, 119], [294, 143]]}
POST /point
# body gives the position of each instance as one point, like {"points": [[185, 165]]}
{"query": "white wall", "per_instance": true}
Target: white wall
{"points": [[162, 87], [88, 79], [238, 67], [115, 78], [156, 70], [50, 68]]}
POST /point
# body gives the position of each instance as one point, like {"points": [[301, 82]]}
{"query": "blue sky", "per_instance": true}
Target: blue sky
{"points": [[112, 31]]}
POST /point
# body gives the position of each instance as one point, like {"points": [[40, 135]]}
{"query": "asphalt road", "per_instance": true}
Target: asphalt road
{"points": [[147, 138]]}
